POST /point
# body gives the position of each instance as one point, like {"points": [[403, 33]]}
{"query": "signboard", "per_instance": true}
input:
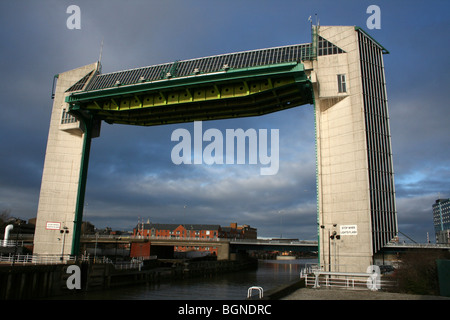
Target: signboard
{"points": [[349, 230], [53, 226]]}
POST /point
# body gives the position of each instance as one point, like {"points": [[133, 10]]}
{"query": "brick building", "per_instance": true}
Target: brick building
{"points": [[188, 231], [238, 232], [160, 230]]}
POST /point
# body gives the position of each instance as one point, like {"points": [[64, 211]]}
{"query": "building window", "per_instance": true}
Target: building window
{"points": [[342, 85], [67, 118]]}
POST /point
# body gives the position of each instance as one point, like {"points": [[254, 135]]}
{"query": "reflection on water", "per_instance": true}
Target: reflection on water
{"points": [[230, 286]]}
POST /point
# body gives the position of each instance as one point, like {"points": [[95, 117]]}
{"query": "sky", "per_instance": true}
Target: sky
{"points": [[131, 174]]}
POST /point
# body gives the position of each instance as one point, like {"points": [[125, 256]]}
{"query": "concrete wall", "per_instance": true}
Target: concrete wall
{"points": [[60, 176]]}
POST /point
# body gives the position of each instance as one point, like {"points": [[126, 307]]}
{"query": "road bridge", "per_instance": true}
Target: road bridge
{"points": [[225, 246], [274, 245]]}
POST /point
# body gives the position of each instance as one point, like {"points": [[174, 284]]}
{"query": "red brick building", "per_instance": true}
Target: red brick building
{"points": [[187, 231], [160, 230]]}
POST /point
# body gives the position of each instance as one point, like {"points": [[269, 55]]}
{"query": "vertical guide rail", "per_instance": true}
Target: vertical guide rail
{"points": [[87, 123]]}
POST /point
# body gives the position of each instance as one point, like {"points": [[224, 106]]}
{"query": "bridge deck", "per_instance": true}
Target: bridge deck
{"points": [[236, 60], [240, 84]]}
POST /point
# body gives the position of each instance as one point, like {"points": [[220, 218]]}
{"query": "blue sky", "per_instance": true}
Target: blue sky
{"points": [[131, 174]]}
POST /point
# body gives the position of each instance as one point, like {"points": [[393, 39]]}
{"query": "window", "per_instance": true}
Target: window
{"points": [[67, 118], [342, 85]]}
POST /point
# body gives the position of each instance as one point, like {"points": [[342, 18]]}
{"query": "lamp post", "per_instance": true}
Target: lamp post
{"points": [[281, 223], [64, 230], [331, 236], [17, 242], [334, 236], [95, 250]]}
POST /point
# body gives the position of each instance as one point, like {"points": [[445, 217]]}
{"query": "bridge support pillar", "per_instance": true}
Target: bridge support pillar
{"points": [[61, 197], [223, 251], [356, 199]]}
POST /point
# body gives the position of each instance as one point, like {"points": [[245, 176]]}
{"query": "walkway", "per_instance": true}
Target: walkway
{"points": [[343, 294]]}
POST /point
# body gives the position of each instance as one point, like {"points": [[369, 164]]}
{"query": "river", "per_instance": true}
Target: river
{"points": [[270, 274]]}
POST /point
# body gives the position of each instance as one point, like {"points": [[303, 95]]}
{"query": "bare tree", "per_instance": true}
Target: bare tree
{"points": [[5, 215]]}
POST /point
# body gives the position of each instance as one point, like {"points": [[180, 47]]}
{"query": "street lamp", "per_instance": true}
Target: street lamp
{"points": [[281, 223], [334, 236], [63, 231], [331, 236], [95, 250]]}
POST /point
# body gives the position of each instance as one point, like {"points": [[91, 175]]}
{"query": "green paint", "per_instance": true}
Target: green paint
{"points": [[87, 122]]}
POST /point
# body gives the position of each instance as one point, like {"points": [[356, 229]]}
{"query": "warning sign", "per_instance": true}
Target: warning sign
{"points": [[53, 226], [349, 230]]}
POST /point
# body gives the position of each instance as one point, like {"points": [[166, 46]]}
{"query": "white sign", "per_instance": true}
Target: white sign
{"points": [[53, 226], [349, 230]]}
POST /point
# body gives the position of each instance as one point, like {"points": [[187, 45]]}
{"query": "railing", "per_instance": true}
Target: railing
{"points": [[277, 241], [114, 237], [348, 280], [309, 268], [11, 243], [35, 259], [417, 245], [259, 289], [316, 278], [29, 259], [128, 265]]}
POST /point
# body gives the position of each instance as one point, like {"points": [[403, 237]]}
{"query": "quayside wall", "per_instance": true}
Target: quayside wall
{"points": [[44, 281]]}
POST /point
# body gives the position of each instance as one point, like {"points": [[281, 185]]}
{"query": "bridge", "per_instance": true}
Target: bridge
{"points": [[340, 72], [274, 245], [225, 246], [250, 244]]}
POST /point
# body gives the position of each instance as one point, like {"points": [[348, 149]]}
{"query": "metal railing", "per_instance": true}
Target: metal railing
{"points": [[25, 259], [417, 245], [128, 265], [309, 268], [29, 259], [316, 278], [259, 289], [348, 280], [127, 237], [274, 241], [11, 243]]}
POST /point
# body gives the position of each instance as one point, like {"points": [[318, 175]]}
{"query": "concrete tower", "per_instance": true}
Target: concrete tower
{"points": [[355, 178], [61, 175]]}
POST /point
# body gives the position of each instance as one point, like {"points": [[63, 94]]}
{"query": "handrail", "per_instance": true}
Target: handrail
{"points": [[35, 259], [372, 279], [260, 291], [127, 237]]}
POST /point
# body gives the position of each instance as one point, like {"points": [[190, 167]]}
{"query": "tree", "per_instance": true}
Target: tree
{"points": [[5, 215], [418, 272]]}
